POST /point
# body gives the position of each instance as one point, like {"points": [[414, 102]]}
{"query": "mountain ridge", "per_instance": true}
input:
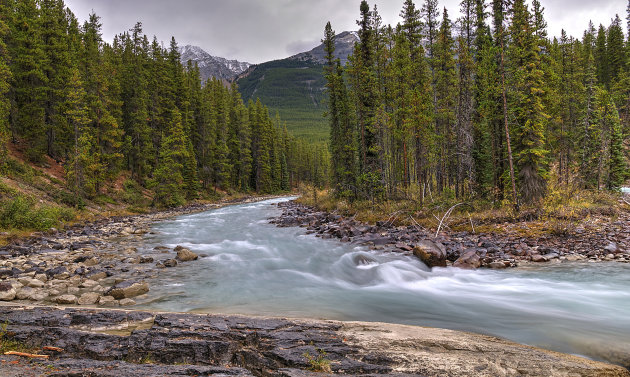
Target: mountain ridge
{"points": [[212, 66]]}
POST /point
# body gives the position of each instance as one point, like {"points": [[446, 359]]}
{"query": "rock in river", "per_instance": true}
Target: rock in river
{"points": [[469, 260], [433, 254], [128, 289], [185, 255]]}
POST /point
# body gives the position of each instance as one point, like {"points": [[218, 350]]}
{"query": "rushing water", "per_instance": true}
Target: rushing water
{"points": [[253, 267]]}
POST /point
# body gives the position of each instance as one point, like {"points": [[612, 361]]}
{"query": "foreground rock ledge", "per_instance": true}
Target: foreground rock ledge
{"points": [[113, 342]]}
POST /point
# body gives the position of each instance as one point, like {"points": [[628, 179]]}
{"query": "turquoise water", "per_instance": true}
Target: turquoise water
{"points": [[253, 267]]}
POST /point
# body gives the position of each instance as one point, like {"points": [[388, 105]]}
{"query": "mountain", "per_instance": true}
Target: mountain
{"points": [[295, 87], [212, 66], [344, 45]]}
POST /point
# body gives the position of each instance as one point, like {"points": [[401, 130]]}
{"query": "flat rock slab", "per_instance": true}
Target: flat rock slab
{"points": [[137, 343]]}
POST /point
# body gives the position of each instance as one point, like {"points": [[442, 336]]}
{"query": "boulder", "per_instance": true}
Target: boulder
{"points": [[144, 259], [185, 255], [128, 289], [25, 293], [89, 298], [469, 260], [433, 254], [7, 292], [66, 300]]}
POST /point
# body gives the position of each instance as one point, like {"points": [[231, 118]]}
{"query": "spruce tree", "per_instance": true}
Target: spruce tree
{"points": [[5, 77], [527, 106], [168, 181]]}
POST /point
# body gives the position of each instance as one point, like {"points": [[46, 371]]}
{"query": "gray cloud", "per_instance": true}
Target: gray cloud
{"points": [[262, 30]]}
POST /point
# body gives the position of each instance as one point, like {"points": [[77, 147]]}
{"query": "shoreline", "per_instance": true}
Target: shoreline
{"points": [[92, 263], [108, 342], [595, 243]]}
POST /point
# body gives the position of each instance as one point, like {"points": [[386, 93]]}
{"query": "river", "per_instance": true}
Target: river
{"points": [[253, 267]]}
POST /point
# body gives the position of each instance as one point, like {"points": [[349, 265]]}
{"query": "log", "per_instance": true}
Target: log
{"points": [[24, 354]]}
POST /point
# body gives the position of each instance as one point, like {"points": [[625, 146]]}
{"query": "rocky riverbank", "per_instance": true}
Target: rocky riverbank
{"points": [[594, 240], [96, 263], [104, 343]]}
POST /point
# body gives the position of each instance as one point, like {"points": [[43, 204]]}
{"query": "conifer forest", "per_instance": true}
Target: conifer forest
{"points": [[486, 106], [132, 106]]}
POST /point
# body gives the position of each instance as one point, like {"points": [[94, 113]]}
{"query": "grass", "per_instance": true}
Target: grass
{"points": [[318, 363], [22, 212], [560, 213], [7, 343]]}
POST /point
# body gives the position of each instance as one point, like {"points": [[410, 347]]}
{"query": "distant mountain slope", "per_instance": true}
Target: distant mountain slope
{"points": [[295, 87], [212, 66]]}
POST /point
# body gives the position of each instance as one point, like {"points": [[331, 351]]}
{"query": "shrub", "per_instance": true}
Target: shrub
{"points": [[22, 213]]}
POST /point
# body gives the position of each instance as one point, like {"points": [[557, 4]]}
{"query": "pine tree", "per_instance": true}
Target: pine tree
{"points": [[527, 106], [5, 77], [615, 50], [446, 97], [30, 82], [83, 165], [601, 57], [168, 181]]}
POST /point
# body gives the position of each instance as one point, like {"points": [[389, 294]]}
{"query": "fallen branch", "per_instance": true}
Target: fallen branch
{"points": [[24, 354], [418, 226], [471, 223], [445, 217], [625, 201]]}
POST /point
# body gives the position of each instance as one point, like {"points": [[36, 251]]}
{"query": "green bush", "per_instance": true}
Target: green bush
{"points": [[22, 213]]}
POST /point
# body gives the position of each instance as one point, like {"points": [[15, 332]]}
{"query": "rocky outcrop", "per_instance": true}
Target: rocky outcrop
{"points": [[96, 340]]}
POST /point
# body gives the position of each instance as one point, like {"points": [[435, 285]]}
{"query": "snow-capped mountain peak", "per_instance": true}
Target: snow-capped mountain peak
{"points": [[212, 66]]}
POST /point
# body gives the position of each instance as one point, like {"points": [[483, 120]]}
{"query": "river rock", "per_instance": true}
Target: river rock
{"points": [[498, 265], [433, 254], [145, 259], [66, 300], [539, 258], [185, 255], [127, 302], [107, 301], [89, 298], [612, 248], [128, 289], [7, 291], [170, 263], [88, 283], [24, 293], [469, 260]]}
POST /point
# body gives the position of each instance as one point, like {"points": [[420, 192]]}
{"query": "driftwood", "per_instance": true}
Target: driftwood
{"points": [[54, 349], [24, 354]]}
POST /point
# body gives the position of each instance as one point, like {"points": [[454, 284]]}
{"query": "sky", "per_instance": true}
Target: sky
{"points": [[256, 31]]}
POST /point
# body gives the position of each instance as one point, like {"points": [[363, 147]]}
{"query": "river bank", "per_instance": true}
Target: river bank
{"points": [[104, 343], [94, 263], [593, 240]]}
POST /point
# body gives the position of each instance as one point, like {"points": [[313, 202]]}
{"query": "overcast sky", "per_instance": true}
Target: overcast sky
{"points": [[261, 30]]}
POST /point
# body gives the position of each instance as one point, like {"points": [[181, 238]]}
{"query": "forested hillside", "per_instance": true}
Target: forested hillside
{"points": [[485, 106], [131, 109]]}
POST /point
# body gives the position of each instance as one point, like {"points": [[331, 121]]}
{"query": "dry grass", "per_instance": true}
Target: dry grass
{"points": [[562, 210]]}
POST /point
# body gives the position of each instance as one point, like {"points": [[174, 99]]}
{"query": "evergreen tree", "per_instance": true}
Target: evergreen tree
{"points": [[5, 77], [168, 181], [30, 80], [527, 106]]}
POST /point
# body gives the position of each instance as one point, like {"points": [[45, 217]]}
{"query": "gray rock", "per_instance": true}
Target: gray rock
{"points": [[127, 302], [497, 265], [128, 289], [170, 263], [89, 298], [433, 254], [107, 301], [7, 291], [66, 300], [469, 260], [185, 255], [612, 248]]}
